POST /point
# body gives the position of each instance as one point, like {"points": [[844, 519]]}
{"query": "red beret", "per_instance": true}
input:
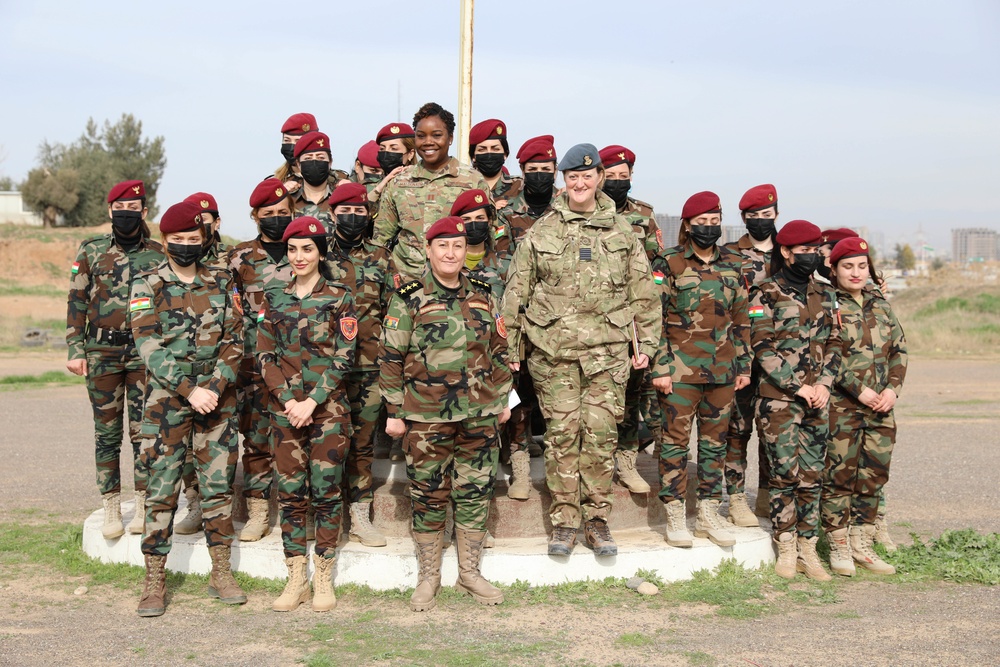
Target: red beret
{"points": [[300, 123], [446, 228], [701, 203], [854, 246], [368, 155], [304, 228], [311, 142], [759, 197], [394, 131], [798, 232], [268, 193], [537, 149], [832, 236], [205, 202], [353, 194], [615, 154], [470, 200], [127, 190], [182, 217], [488, 129]]}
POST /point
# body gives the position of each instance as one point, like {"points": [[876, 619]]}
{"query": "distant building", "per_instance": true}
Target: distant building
{"points": [[670, 225], [12, 209], [732, 233], [974, 244]]}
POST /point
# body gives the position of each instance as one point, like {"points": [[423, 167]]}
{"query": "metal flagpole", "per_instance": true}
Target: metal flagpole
{"points": [[465, 81]]}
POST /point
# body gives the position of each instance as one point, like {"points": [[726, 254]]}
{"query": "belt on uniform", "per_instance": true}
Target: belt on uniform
{"points": [[112, 336], [195, 368]]}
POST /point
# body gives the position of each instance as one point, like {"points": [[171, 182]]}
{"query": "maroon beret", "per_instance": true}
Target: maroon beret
{"points": [[832, 236], [394, 131], [127, 190], [799, 232], [368, 155], [470, 200], [300, 123], [488, 129], [854, 246], [268, 193], [311, 142], [537, 149], [182, 217], [701, 203], [205, 202], [759, 197], [446, 228], [304, 228], [353, 194], [615, 154]]}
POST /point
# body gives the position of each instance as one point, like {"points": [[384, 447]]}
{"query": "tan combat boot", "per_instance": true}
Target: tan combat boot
{"points": [[112, 527], [709, 524], [324, 598], [138, 522], [787, 553], [362, 529], [739, 512], [429, 547], [862, 538], [841, 561], [258, 523], [154, 593], [221, 584], [470, 580], [296, 588], [677, 529], [882, 535], [520, 487], [808, 562], [192, 522], [762, 506], [627, 474]]}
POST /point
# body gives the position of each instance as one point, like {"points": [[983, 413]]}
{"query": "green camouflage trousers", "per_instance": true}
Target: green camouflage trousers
{"points": [[857, 465], [451, 463], [518, 427], [255, 425], [366, 403], [711, 404], [310, 468], [795, 439], [741, 422], [581, 415], [170, 427], [116, 381], [640, 398]]}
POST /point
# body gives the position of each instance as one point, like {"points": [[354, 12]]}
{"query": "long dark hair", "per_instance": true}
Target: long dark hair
{"points": [[875, 275], [777, 260]]}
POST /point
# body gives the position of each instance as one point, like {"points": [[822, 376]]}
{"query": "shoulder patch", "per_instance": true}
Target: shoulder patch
{"points": [[501, 327], [409, 288], [391, 322], [76, 268], [142, 303], [349, 327]]}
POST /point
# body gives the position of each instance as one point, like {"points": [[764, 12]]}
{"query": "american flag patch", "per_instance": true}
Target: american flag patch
{"points": [[76, 268], [756, 311], [584, 254]]}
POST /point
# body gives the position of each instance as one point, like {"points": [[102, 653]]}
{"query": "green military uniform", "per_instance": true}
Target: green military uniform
{"points": [[507, 190], [492, 270], [518, 218], [217, 253], [319, 210]]}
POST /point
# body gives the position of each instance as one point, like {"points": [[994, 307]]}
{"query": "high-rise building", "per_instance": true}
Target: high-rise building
{"points": [[974, 244], [670, 225], [732, 233]]}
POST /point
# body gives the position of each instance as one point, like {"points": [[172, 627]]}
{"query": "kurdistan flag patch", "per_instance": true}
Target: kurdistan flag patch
{"points": [[756, 311], [76, 268], [658, 277], [142, 303]]}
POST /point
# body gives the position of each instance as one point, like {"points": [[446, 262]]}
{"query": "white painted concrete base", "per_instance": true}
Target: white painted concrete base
{"points": [[395, 566]]}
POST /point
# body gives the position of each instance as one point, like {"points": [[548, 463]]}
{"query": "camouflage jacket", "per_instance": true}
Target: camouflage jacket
{"points": [[319, 210], [444, 353], [518, 219], [367, 271], [413, 201], [706, 333], [255, 274], [756, 263], [188, 335], [217, 254], [306, 347], [640, 215], [576, 285], [100, 283], [873, 347], [492, 270], [507, 190], [795, 337]]}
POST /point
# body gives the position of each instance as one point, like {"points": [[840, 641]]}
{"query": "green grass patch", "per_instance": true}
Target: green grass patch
{"points": [[961, 556], [634, 640], [699, 658], [17, 382], [10, 288]]}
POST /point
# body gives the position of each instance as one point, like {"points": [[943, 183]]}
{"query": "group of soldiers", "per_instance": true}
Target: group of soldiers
{"points": [[415, 289]]}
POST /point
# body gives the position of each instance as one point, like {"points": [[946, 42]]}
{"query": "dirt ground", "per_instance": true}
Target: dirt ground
{"points": [[943, 476]]}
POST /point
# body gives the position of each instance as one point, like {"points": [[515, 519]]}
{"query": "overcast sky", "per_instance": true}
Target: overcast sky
{"points": [[878, 114]]}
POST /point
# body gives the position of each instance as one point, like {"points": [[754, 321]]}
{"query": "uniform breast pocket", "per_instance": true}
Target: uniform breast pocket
{"points": [[616, 249], [481, 323], [323, 325], [786, 320], [552, 263], [253, 300], [686, 294]]}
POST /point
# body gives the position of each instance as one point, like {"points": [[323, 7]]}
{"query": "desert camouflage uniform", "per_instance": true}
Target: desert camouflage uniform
{"points": [[796, 341], [444, 370], [704, 347], [576, 285], [413, 201], [873, 356], [305, 349], [97, 331], [189, 335]]}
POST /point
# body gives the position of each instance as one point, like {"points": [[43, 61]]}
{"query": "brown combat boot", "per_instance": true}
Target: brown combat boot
{"points": [[598, 537], [324, 598], [470, 580], [296, 588], [841, 561], [740, 513], [562, 540], [154, 593], [192, 522], [787, 553], [429, 547], [113, 527], [628, 476], [520, 487], [808, 562], [221, 583], [862, 538], [258, 524]]}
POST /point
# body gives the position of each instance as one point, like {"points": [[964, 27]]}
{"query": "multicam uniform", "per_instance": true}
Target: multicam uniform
{"points": [[189, 335], [97, 330]]}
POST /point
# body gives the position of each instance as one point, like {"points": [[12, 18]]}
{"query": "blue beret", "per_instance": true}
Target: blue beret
{"points": [[580, 158]]}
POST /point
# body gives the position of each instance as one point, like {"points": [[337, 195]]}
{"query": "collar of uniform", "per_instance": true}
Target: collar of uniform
{"points": [[505, 183], [317, 288], [689, 253], [745, 243], [787, 285], [602, 216], [433, 286], [450, 168], [202, 276], [300, 195]]}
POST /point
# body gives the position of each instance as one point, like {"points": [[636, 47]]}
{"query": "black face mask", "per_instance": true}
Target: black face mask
{"points": [[805, 264], [288, 152], [351, 227], [618, 190], [538, 186], [126, 223], [274, 226], [184, 254], [315, 172], [489, 164], [705, 236], [389, 160], [761, 229], [825, 271], [477, 231]]}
